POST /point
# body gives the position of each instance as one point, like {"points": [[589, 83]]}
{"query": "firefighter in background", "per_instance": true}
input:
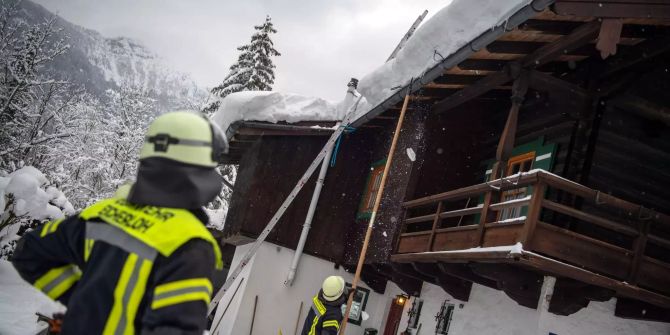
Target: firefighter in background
{"points": [[326, 313], [144, 263]]}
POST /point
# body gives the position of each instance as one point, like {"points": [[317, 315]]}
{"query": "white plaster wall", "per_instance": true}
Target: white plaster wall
{"points": [[278, 304], [490, 311]]}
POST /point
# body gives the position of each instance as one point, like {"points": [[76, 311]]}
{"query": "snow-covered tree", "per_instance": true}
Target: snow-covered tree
{"points": [[33, 105], [254, 70]]}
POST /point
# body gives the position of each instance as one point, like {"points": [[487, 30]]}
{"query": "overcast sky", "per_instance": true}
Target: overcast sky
{"points": [[323, 42]]}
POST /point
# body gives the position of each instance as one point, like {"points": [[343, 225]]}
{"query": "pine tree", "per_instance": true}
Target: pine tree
{"points": [[254, 70]]}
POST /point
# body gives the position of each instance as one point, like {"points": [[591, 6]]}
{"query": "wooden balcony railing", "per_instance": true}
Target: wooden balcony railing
{"points": [[608, 236]]}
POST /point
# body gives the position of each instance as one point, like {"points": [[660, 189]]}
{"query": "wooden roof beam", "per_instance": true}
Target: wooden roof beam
{"points": [[649, 9], [583, 34]]}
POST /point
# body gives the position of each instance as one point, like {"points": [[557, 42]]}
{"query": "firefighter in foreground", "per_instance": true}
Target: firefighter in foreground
{"points": [[143, 264], [326, 313]]}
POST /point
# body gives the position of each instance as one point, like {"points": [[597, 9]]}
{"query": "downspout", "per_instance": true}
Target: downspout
{"points": [[347, 103], [310, 215]]}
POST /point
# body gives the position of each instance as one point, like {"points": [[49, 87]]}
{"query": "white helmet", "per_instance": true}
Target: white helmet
{"points": [[332, 288]]}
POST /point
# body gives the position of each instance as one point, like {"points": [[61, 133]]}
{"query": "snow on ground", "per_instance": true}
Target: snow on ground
{"points": [[448, 30], [274, 107], [19, 302]]}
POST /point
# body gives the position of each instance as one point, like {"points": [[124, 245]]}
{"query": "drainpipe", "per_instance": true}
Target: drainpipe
{"points": [[348, 100], [310, 215]]}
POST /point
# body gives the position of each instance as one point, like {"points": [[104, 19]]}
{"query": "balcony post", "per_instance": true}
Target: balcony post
{"points": [[533, 216], [506, 143], [436, 222]]}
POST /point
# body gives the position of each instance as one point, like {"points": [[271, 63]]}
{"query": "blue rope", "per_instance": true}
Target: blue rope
{"points": [[333, 158]]}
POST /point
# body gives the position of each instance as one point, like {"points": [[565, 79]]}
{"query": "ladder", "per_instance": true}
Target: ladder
{"points": [[341, 126]]}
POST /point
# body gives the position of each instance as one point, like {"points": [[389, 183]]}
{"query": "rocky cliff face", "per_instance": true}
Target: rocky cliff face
{"points": [[99, 63]]}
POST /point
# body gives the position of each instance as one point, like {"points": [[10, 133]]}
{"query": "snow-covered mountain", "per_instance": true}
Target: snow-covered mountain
{"points": [[100, 63]]}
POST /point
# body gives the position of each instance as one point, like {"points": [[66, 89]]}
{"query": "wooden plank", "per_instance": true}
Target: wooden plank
{"points": [[452, 257], [471, 191], [613, 10], [502, 235], [546, 82], [436, 223], [533, 216], [639, 247], [665, 243], [605, 223], [455, 240], [581, 250], [471, 92], [654, 274], [599, 198], [510, 203], [413, 243], [539, 57], [579, 36], [566, 270]]}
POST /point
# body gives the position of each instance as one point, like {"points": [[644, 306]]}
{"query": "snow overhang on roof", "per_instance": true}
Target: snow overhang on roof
{"points": [[272, 110], [448, 38]]}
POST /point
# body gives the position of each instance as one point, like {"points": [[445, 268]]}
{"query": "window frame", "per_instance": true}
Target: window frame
{"points": [[364, 208]]}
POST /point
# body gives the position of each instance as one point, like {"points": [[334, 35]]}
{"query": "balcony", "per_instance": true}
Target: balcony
{"points": [[549, 225]]}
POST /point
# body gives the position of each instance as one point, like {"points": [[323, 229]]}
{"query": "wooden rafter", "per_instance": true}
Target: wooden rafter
{"points": [[583, 34]]}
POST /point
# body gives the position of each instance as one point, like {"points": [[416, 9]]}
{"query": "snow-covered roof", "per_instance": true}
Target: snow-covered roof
{"points": [[451, 35], [269, 106], [453, 27]]}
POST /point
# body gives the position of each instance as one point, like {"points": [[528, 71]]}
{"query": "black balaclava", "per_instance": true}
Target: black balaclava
{"points": [[163, 182]]}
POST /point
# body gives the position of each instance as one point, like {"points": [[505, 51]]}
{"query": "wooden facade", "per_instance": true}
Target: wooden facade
{"points": [[595, 216]]}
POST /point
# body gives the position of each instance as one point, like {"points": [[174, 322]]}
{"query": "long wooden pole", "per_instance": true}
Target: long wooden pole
{"points": [[371, 223]]}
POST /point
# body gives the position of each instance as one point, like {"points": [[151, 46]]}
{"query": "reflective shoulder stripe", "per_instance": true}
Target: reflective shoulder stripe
{"points": [[127, 296], [164, 229], [319, 305], [50, 227], [331, 323], [182, 291], [58, 280], [120, 239]]}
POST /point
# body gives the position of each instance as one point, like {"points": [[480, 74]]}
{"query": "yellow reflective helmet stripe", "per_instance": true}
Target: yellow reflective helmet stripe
{"points": [[50, 227], [182, 291], [164, 229], [58, 280], [127, 296]]}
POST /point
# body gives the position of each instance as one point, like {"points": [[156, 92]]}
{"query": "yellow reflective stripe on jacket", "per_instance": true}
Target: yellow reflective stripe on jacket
{"points": [[88, 246], [50, 227], [127, 296], [331, 323], [58, 280], [164, 229], [319, 310], [182, 291], [319, 305]]}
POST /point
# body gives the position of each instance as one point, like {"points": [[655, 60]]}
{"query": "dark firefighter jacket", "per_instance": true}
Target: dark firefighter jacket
{"points": [[124, 269], [324, 317]]}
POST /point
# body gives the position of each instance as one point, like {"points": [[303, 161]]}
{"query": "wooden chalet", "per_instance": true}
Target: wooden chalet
{"points": [[552, 131]]}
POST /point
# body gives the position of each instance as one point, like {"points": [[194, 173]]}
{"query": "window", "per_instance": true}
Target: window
{"points": [[371, 189], [358, 305], [517, 164], [443, 318]]}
